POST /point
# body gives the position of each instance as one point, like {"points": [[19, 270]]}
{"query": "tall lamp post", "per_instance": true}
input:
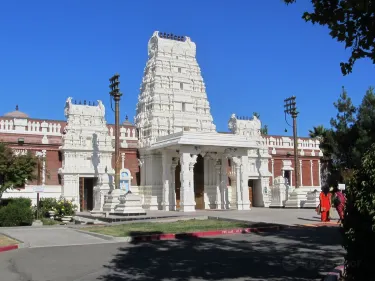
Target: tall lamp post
{"points": [[116, 95], [291, 109]]}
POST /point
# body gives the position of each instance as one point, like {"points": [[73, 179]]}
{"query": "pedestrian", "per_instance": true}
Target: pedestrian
{"points": [[339, 201], [325, 204]]}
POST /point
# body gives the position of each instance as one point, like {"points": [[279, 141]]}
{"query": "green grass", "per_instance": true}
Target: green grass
{"points": [[47, 221], [170, 227]]}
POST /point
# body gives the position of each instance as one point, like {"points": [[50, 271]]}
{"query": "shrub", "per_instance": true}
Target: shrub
{"points": [[22, 202], [359, 221], [16, 215], [47, 204], [65, 208]]}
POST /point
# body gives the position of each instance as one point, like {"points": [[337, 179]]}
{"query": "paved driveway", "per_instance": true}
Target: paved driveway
{"points": [[292, 254], [50, 236]]}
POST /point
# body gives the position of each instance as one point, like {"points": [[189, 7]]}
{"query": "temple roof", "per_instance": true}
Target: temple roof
{"points": [[127, 122], [16, 114]]}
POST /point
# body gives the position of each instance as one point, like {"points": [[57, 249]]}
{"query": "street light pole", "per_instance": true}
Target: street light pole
{"points": [[116, 95], [290, 108]]}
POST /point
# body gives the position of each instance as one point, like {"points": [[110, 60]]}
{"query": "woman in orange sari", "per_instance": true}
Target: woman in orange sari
{"points": [[325, 204]]}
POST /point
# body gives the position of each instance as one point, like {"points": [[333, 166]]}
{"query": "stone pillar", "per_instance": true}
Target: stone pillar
{"points": [[300, 172], [237, 166], [244, 183], [319, 176], [223, 181], [143, 170], [187, 203], [44, 154], [273, 170], [206, 172], [218, 184], [166, 163], [311, 173], [172, 193]]}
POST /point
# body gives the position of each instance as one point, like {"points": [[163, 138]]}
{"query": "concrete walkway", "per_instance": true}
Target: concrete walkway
{"points": [[50, 236], [36, 237]]}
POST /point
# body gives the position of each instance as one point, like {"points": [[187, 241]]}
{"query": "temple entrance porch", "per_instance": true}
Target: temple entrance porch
{"points": [[186, 171]]}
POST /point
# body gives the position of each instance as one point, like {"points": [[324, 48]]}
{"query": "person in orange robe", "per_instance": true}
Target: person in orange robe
{"points": [[325, 204]]}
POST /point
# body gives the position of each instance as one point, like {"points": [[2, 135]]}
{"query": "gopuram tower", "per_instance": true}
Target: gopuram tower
{"points": [[172, 100], [172, 95]]}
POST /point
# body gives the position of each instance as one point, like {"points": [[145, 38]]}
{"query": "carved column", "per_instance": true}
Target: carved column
{"points": [[319, 176], [300, 173], [172, 194], [143, 170], [223, 182], [166, 163], [44, 154], [218, 185], [311, 173], [237, 167], [187, 203], [244, 183]]}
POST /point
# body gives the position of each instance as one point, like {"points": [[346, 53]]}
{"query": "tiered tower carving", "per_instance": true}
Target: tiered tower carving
{"points": [[173, 94]]}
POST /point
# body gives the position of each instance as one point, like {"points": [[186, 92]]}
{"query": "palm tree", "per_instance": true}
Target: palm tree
{"points": [[318, 132]]}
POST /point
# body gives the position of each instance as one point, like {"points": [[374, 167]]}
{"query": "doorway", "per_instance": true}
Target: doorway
{"points": [[287, 176], [250, 184], [86, 193], [199, 183]]}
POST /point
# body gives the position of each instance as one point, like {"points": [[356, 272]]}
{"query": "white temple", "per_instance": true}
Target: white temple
{"points": [[185, 164], [87, 154], [176, 132]]}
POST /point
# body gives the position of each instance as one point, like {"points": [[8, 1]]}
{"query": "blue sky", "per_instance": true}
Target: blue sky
{"points": [[253, 55]]}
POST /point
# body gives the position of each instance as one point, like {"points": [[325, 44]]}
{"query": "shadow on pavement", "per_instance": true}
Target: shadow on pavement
{"points": [[291, 254]]}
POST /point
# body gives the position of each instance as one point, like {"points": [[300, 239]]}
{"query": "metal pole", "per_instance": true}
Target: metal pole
{"points": [[117, 142], [290, 108], [116, 94], [37, 194], [296, 160]]}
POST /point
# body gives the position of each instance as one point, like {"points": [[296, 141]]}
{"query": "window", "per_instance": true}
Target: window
{"points": [[183, 106], [186, 129], [181, 86], [179, 70]]}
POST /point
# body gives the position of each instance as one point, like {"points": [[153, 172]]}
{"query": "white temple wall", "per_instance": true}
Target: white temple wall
{"points": [[51, 191]]}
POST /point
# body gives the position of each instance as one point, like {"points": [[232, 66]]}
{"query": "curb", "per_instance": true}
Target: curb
{"points": [[173, 236], [9, 248], [335, 274], [187, 235]]}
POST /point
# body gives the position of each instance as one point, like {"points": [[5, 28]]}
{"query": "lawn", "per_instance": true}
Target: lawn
{"points": [[6, 241], [170, 227]]}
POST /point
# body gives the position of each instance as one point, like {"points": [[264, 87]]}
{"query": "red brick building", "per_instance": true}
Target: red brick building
{"points": [[23, 134]]}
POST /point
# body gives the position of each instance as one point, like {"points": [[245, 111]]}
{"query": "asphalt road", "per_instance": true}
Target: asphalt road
{"points": [[293, 254]]}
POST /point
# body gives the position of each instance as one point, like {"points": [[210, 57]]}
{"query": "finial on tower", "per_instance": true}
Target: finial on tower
{"points": [[17, 107]]}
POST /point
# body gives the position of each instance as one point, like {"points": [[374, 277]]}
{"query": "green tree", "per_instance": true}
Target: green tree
{"points": [[15, 170], [344, 132], [264, 129], [364, 126], [349, 21], [359, 221]]}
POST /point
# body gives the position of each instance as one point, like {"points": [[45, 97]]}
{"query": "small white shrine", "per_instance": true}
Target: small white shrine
{"points": [[86, 172]]}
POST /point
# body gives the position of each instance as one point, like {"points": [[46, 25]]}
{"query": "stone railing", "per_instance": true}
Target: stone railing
{"points": [[125, 133], [23, 126], [287, 142]]}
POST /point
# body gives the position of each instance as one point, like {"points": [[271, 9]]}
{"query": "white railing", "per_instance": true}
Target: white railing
{"points": [[287, 142], [22, 126]]}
